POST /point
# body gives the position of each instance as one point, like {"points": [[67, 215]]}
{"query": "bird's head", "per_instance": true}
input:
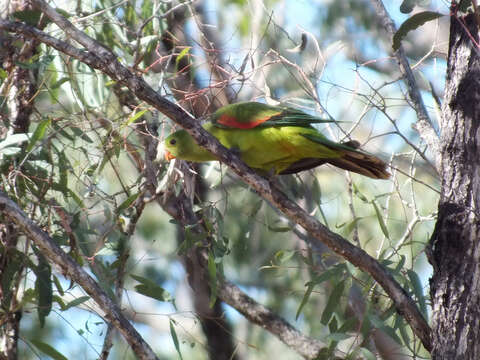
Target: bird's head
{"points": [[175, 144], [182, 146]]}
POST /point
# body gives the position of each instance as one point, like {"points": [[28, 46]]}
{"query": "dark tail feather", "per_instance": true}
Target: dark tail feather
{"points": [[367, 165], [355, 161]]}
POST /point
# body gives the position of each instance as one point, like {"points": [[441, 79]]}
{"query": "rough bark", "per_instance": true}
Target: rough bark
{"points": [[9, 318], [454, 246]]}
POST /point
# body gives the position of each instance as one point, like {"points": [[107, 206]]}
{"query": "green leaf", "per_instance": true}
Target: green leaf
{"points": [[333, 324], [48, 350], [350, 226], [38, 134], [380, 324], [359, 194], [180, 56], [58, 285], [367, 354], [62, 170], [333, 302], [400, 265], [175, 339], [411, 24], [330, 273], [126, 204], [136, 116], [306, 296], [30, 17], [212, 275], [76, 302], [279, 228], [76, 198], [59, 83], [59, 301], [407, 6], [151, 289], [418, 291], [283, 256], [382, 224], [348, 325], [43, 287], [81, 134], [404, 333]]}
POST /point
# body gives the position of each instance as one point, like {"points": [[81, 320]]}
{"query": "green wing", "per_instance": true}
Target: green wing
{"points": [[249, 115]]}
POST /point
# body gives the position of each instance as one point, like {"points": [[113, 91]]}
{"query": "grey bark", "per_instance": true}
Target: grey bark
{"points": [[454, 246]]}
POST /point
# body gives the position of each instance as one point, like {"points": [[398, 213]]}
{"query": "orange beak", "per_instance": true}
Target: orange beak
{"points": [[168, 155]]}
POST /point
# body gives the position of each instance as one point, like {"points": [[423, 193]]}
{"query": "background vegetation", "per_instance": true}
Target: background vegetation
{"points": [[77, 154]]}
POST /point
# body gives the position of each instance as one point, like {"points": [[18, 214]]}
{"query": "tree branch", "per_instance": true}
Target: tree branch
{"points": [[107, 62], [71, 269], [258, 314], [424, 124]]}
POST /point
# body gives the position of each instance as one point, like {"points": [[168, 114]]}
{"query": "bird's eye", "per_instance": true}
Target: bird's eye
{"points": [[173, 142]]}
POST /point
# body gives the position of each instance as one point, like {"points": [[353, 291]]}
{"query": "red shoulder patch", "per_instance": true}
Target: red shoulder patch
{"points": [[231, 121]]}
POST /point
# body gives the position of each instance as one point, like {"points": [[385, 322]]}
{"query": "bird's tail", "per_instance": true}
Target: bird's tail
{"points": [[352, 160], [360, 162]]}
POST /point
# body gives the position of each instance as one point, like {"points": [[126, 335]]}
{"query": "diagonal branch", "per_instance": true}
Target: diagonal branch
{"points": [[75, 272], [107, 62], [258, 314], [424, 124]]}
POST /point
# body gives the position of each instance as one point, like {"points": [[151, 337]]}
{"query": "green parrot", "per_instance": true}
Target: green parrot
{"points": [[274, 139]]}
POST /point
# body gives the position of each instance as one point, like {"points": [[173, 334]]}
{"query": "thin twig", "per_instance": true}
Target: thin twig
{"points": [[423, 125]]}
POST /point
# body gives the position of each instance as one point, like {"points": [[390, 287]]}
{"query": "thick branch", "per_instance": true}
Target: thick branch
{"points": [[107, 62], [423, 125], [258, 314], [71, 269]]}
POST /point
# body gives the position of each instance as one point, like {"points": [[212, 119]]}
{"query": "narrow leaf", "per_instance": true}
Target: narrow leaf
{"points": [[418, 290], [149, 288], [212, 274], [407, 6], [367, 354], [411, 24], [283, 256], [48, 350], [382, 224], [76, 302], [279, 228], [58, 285], [333, 302], [173, 333], [136, 116], [180, 56], [38, 134], [43, 287], [306, 296], [126, 204]]}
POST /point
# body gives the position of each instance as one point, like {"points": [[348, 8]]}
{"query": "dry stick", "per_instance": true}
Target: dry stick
{"points": [[75, 272], [100, 58], [423, 125]]}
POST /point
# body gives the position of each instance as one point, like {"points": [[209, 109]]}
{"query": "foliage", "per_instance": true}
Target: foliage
{"points": [[79, 173]]}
